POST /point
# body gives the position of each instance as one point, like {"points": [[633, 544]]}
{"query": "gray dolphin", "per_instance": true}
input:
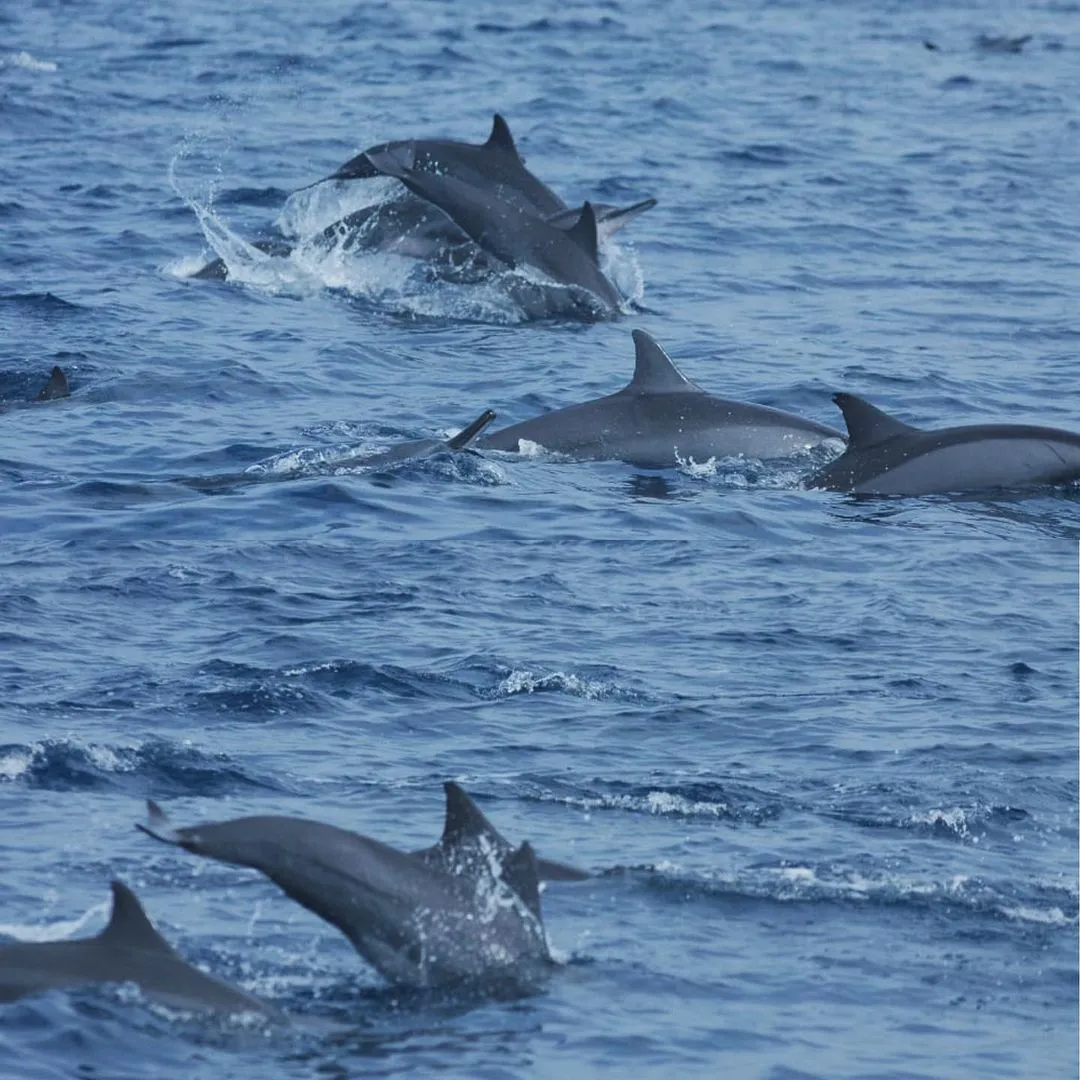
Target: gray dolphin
{"points": [[415, 924], [469, 839], [495, 163], [887, 457], [514, 235], [129, 949], [661, 419]]}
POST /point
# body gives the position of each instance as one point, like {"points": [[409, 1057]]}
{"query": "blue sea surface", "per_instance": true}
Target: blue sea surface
{"points": [[819, 753]]}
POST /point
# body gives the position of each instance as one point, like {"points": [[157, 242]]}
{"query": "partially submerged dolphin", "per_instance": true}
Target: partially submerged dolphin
{"points": [[415, 924], [469, 840], [514, 235], [662, 419], [887, 457], [129, 949]]}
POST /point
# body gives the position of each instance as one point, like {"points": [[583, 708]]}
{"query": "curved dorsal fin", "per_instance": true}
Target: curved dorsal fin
{"points": [[466, 435], [56, 387], [867, 425], [584, 232], [464, 820], [129, 927], [654, 371], [520, 873], [500, 137]]}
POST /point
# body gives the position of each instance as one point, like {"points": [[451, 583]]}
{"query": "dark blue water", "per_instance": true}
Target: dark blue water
{"points": [[820, 753]]}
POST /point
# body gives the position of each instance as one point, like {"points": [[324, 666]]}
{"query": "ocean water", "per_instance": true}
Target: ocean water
{"points": [[819, 753]]}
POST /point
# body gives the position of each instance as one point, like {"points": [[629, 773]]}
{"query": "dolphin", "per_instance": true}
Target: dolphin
{"points": [[413, 450], [129, 949], [513, 235], [469, 839], [417, 925], [887, 457], [494, 164], [662, 419]]}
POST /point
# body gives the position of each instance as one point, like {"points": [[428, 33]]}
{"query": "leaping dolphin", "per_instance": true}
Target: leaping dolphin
{"points": [[515, 236], [469, 840], [885, 456], [415, 924], [129, 949], [662, 419]]}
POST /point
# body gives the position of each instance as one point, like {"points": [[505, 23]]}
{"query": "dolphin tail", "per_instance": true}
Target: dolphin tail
{"points": [[56, 387], [462, 439], [618, 216], [158, 825]]}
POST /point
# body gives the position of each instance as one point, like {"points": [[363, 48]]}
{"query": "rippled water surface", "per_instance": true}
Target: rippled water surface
{"points": [[820, 753]]}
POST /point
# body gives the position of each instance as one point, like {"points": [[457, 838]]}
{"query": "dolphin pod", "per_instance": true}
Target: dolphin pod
{"points": [[466, 912], [129, 949]]}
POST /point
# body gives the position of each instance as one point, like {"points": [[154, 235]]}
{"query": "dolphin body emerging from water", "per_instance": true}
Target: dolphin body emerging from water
{"points": [[416, 924], [662, 419], [129, 949], [887, 457]]}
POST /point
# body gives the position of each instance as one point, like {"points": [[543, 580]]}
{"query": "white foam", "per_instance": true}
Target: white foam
{"points": [[27, 62]]}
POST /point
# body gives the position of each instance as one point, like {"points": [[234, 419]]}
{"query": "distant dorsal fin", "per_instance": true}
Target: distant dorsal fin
{"points": [[56, 387], [464, 820], [867, 425], [519, 871], [466, 436], [129, 927], [500, 137], [584, 232], [654, 370]]}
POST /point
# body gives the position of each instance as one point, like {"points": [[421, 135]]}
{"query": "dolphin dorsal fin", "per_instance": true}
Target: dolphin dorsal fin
{"points": [[519, 871], [464, 820], [654, 370], [584, 232], [56, 387], [867, 425], [500, 137], [129, 927], [462, 440]]}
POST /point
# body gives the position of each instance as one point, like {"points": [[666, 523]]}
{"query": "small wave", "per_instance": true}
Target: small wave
{"points": [[56, 931], [732, 802], [805, 883], [155, 765], [27, 62]]}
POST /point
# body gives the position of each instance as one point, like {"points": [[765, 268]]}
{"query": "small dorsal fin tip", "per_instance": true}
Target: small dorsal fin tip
{"points": [[500, 137], [521, 873], [585, 233], [868, 425], [464, 819], [654, 370], [129, 926]]}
